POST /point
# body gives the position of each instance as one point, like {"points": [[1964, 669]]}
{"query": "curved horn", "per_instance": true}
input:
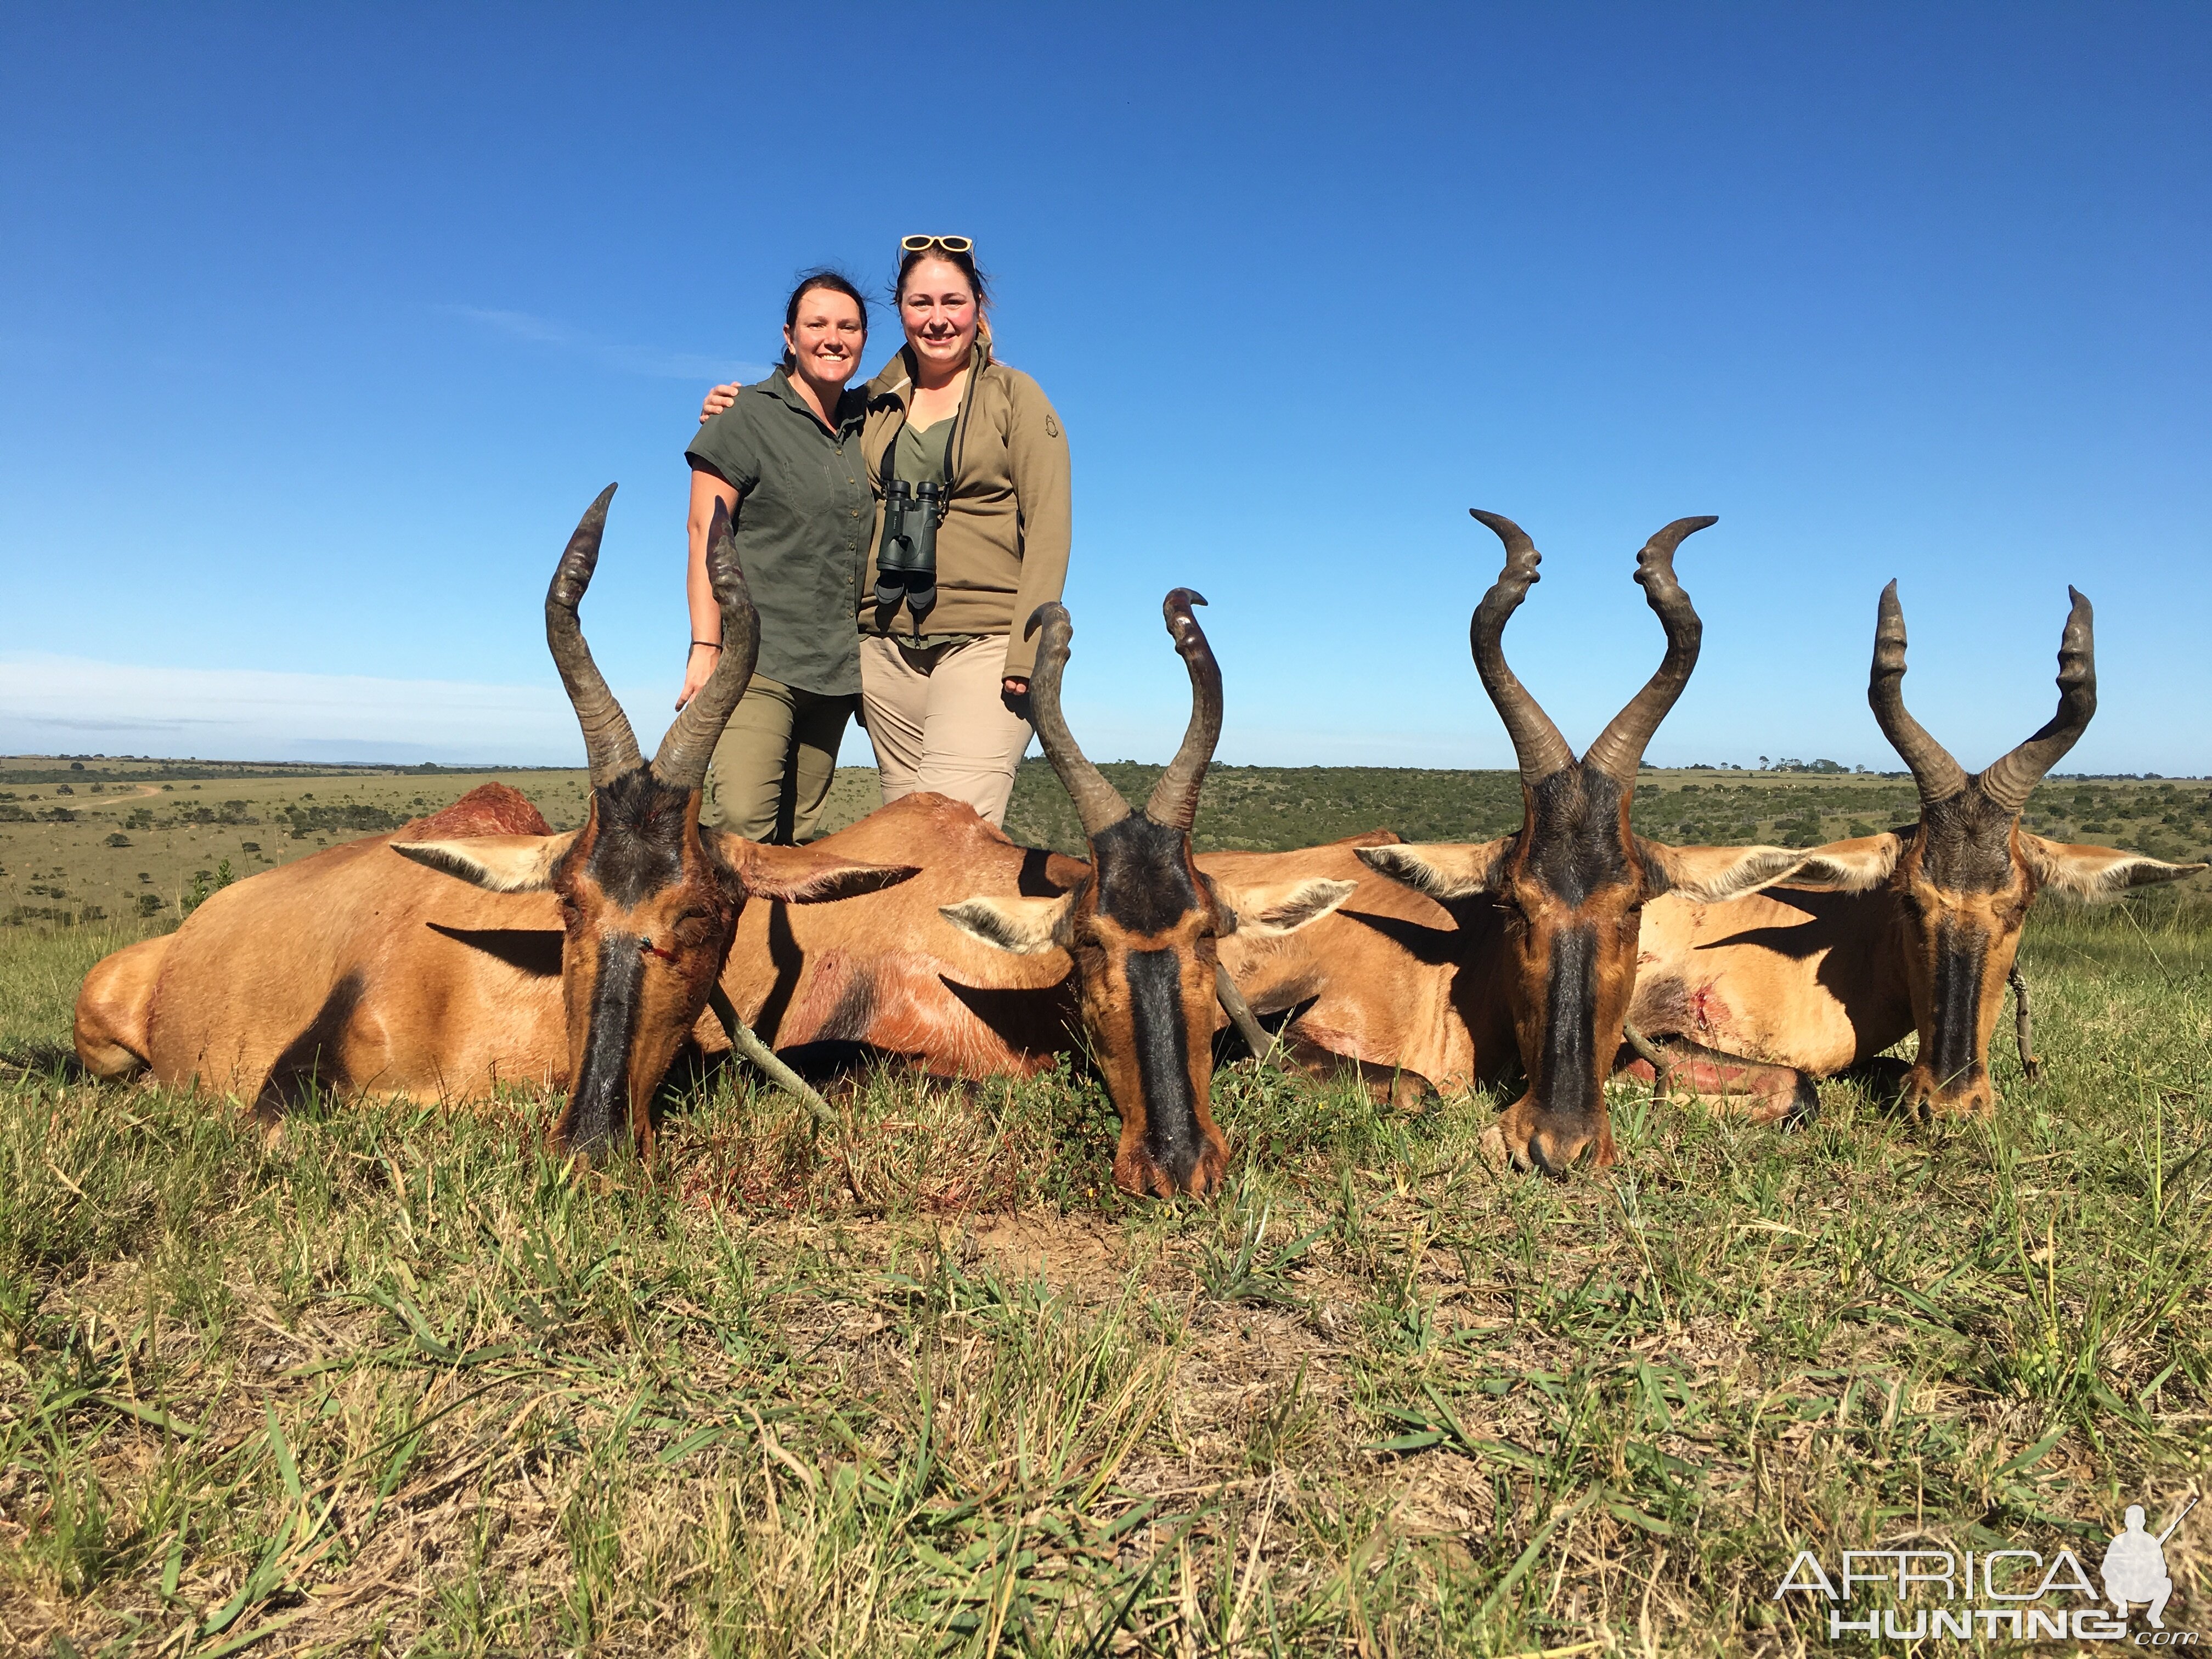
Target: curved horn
{"points": [[1619, 748], [2008, 782], [681, 761], [1537, 742], [609, 746], [1939, 776], [1174, 800], [1098, 803]]}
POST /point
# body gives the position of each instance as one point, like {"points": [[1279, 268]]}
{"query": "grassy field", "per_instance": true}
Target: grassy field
{"points": [[398, 1382]]}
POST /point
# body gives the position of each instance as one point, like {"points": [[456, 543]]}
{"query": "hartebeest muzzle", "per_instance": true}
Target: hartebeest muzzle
{"points": [[1141, 930], [648, 899]]}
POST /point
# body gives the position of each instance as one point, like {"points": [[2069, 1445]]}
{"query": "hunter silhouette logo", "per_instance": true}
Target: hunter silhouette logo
{"points": [[1985, 1595], [2134, 1566]]}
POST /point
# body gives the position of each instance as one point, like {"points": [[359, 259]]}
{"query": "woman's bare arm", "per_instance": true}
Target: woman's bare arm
{"points": [[698, 591]]}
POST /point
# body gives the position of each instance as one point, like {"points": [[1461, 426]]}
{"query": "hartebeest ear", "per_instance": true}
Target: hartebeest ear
{"points": [[1026, 927], [1440, 869], [2096, 872], [1270, 909], [1714, 875], [503, 864], [799, 875], [1858, 865]]}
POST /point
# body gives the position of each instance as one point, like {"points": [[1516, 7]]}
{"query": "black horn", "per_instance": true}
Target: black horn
{"points": [[1939, 776], [609, 746], [1537, 742], [1174, 800], [1098, 803], [1619, 748], [681, 760], [2010, 780]]}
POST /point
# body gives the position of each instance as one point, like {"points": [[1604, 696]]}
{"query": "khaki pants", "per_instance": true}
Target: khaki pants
{"points": [[774, 763], [939, 720]]}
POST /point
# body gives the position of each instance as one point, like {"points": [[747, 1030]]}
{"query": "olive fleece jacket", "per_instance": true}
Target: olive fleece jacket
{"points": [[1002, 549]]}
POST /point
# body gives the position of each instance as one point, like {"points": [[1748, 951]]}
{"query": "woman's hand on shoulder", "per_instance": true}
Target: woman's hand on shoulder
{"points": [[718, 400]]}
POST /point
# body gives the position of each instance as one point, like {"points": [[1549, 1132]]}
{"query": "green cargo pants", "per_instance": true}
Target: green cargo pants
{"points": [[774, 763]]}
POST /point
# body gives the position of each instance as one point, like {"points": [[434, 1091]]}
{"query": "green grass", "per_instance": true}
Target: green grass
{"points": [[401, 1383]]}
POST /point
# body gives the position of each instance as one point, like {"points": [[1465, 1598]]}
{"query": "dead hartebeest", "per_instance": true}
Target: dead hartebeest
{"points": [[1922, 935], [996, 958], [1143, 928], [1522, 947], [354, 972]]}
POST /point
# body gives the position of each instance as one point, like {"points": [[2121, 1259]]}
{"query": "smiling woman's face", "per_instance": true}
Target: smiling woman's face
{"points": [[829, 337], [938, 306]]}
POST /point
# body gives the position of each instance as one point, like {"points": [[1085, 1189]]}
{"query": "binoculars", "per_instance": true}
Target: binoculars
{"points": [[905, 561]]}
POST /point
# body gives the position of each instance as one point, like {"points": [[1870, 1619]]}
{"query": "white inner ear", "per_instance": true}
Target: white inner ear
{"points": [[2094, 872], [1285, 907], [1023, 926], [1714, 875], [501, 864], [1849, 866], [1441, 871]]}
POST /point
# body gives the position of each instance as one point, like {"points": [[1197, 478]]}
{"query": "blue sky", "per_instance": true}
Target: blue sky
{"points": [[319, 326]]}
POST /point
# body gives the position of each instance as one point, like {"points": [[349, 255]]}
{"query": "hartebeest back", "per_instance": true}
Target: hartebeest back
{"points": [[1571, 886], [1820, 982], [1142, 929], [349, 972]]}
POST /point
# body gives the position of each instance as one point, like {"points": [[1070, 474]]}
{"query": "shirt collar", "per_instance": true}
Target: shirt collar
{"points": [[852, 402], [894, 380]]}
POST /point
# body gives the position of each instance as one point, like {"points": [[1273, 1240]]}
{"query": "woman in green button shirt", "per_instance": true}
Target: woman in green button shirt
{"points": [[785, 459], [946, 692]]}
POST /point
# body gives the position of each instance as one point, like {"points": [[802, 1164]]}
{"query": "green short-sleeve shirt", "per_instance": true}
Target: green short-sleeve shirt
{"points": [[804, 515]]}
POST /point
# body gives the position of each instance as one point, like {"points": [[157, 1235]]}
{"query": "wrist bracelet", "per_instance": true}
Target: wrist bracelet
{"points": [[711, 645]]}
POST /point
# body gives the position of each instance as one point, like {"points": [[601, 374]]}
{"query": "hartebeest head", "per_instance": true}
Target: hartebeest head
{"points": [[1141, 928], [1964, 875], [648, 899], [1572, 884]]}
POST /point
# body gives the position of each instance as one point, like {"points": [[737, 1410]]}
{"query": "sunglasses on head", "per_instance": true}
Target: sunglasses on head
{"points": [[949, 244]]}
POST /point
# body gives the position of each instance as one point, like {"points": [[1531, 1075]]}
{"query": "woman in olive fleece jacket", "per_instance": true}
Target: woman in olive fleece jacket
{"points": [[945, 695], [1002, 547]]}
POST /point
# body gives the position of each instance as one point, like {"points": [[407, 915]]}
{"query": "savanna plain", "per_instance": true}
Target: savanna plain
{"points": [[400, 1381]]}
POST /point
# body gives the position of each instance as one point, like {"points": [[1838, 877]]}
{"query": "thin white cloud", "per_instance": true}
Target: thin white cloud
{"points": [[613, 355], [72, 704]]}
